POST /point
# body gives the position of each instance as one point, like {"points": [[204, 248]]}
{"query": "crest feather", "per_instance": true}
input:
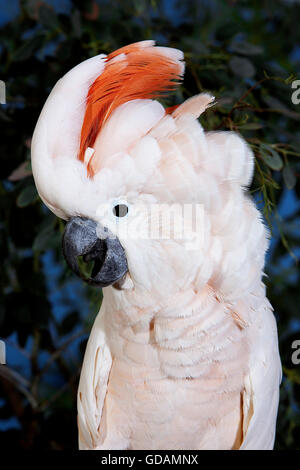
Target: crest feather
{"points": [[137, 71]]}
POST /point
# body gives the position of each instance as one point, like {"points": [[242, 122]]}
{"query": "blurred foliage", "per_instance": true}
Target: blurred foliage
{"points": [[246, 54]]}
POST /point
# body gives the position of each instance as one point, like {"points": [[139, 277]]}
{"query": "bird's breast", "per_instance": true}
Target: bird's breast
{"points": [[177, 379]]}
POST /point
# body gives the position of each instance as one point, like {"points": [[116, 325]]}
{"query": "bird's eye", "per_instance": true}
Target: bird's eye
{"points": [[120, 210]]}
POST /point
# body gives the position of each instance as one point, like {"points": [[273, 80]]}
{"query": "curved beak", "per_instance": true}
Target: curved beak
{"points": [[94, 244]]}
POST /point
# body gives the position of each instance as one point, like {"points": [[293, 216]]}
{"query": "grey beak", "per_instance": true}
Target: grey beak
{"points": [[80, 239]]}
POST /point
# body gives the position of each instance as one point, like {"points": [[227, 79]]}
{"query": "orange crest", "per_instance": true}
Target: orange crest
{"points": [[137, 71]]}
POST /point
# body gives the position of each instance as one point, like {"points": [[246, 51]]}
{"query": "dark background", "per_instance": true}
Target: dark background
{"points": [[247, 53]]}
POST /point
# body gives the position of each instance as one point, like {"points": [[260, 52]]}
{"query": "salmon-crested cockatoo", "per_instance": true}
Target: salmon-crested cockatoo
{"points": [[184, 351]]}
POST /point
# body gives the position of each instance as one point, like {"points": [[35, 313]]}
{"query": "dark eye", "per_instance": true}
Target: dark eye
{"points": [[120, 210]]}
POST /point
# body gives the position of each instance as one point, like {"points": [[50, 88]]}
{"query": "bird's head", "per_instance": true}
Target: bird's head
{"points": [[153, 202]]}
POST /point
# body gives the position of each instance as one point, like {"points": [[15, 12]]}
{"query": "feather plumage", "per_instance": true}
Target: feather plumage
{"points": [[133, 72], [185, 355]]}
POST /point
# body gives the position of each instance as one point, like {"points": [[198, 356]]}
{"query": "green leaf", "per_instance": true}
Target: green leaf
{"points": [[27, 196], [245, 48], [76, 23], [271, 157], [48, 17], [242, 67], [251, 126], [42, 240], [289, 177], [275, 103], [85, 267], [48, 222], [28, 48], [21, 172], [4, 117], [46, 239], [31, 7], [292, 374]]}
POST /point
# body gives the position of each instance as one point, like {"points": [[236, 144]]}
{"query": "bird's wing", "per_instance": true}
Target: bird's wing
{"points": [[261, 393], [93, 384]]}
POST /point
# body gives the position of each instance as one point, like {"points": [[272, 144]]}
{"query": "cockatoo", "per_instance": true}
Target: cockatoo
{"points": [[184, 351]]}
